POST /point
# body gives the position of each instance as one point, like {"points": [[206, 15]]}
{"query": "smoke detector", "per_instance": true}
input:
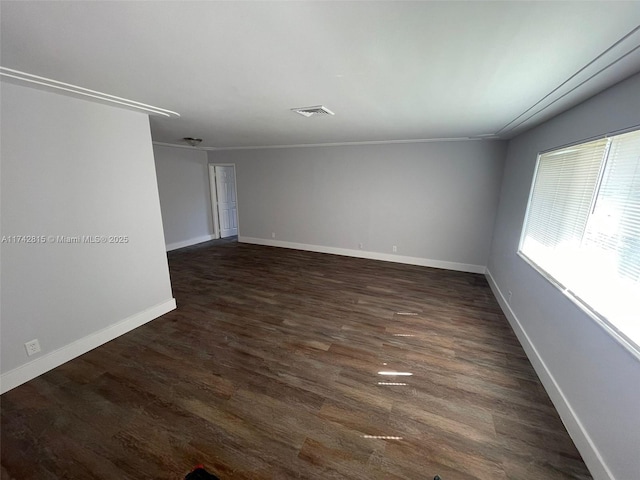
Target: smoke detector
{"points": [[311, 111]]}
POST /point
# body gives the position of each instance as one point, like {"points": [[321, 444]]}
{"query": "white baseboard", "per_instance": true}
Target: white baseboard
{"points": [[579, 435], [386, 257], [47, 362], [188, 243]]}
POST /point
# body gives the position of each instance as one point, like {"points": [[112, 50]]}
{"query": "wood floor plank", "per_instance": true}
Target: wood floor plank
{"points": [[270, 369]]}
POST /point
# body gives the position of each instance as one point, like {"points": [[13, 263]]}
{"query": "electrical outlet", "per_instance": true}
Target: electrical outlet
{"points": [[32, 347], [509, 299], [395, 249], [273, 234]]}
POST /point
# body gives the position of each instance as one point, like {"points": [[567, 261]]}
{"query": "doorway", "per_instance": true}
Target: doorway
{"points": [[222, 182]]}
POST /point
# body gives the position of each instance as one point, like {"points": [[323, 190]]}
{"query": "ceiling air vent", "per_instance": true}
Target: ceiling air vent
{"points": [[311, 111]]}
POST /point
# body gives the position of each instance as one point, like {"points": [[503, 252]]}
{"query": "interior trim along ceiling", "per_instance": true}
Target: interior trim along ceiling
{"points": [[181, 145], [47, 83], [622, 56], [337, 144]]}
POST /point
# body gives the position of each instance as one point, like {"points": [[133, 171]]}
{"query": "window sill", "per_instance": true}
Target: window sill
{"points": [[607, 326]]}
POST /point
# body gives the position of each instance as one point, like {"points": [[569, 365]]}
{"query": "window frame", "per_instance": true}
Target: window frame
{"points": [[599, 319]]}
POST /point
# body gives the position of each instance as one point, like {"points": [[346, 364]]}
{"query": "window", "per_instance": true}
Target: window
{"points": [[582, 228]]}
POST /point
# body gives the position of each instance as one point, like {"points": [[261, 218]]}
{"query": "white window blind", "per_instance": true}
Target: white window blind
{"points": [[582, 227]]}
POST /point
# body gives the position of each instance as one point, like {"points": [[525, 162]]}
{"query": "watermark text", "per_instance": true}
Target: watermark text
{"points": [[64, 239]]}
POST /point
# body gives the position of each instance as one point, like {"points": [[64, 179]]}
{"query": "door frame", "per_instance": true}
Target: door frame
{"points": [[214, 197]]}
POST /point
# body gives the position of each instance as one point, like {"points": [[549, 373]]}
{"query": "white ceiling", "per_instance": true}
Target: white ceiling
{"points": [[391, 71]]}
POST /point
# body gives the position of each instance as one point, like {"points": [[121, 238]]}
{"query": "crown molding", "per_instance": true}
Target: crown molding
{"points": [[177, 145], [335, 144], [620, 61], [16, 76]]}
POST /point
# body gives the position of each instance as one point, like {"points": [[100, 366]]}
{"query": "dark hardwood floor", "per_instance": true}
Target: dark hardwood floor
{"points": [[270, 369]]}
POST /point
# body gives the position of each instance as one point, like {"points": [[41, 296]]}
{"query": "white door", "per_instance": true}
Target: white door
{"points": [[226, 196]]}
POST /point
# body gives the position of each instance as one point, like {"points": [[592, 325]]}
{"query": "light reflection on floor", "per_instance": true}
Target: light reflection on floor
{"points": [[393, 373]]}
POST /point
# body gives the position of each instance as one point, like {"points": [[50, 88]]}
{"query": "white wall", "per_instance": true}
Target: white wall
{"points": [[185, 198], [71, 167], [435, 201], [592, 379]]}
